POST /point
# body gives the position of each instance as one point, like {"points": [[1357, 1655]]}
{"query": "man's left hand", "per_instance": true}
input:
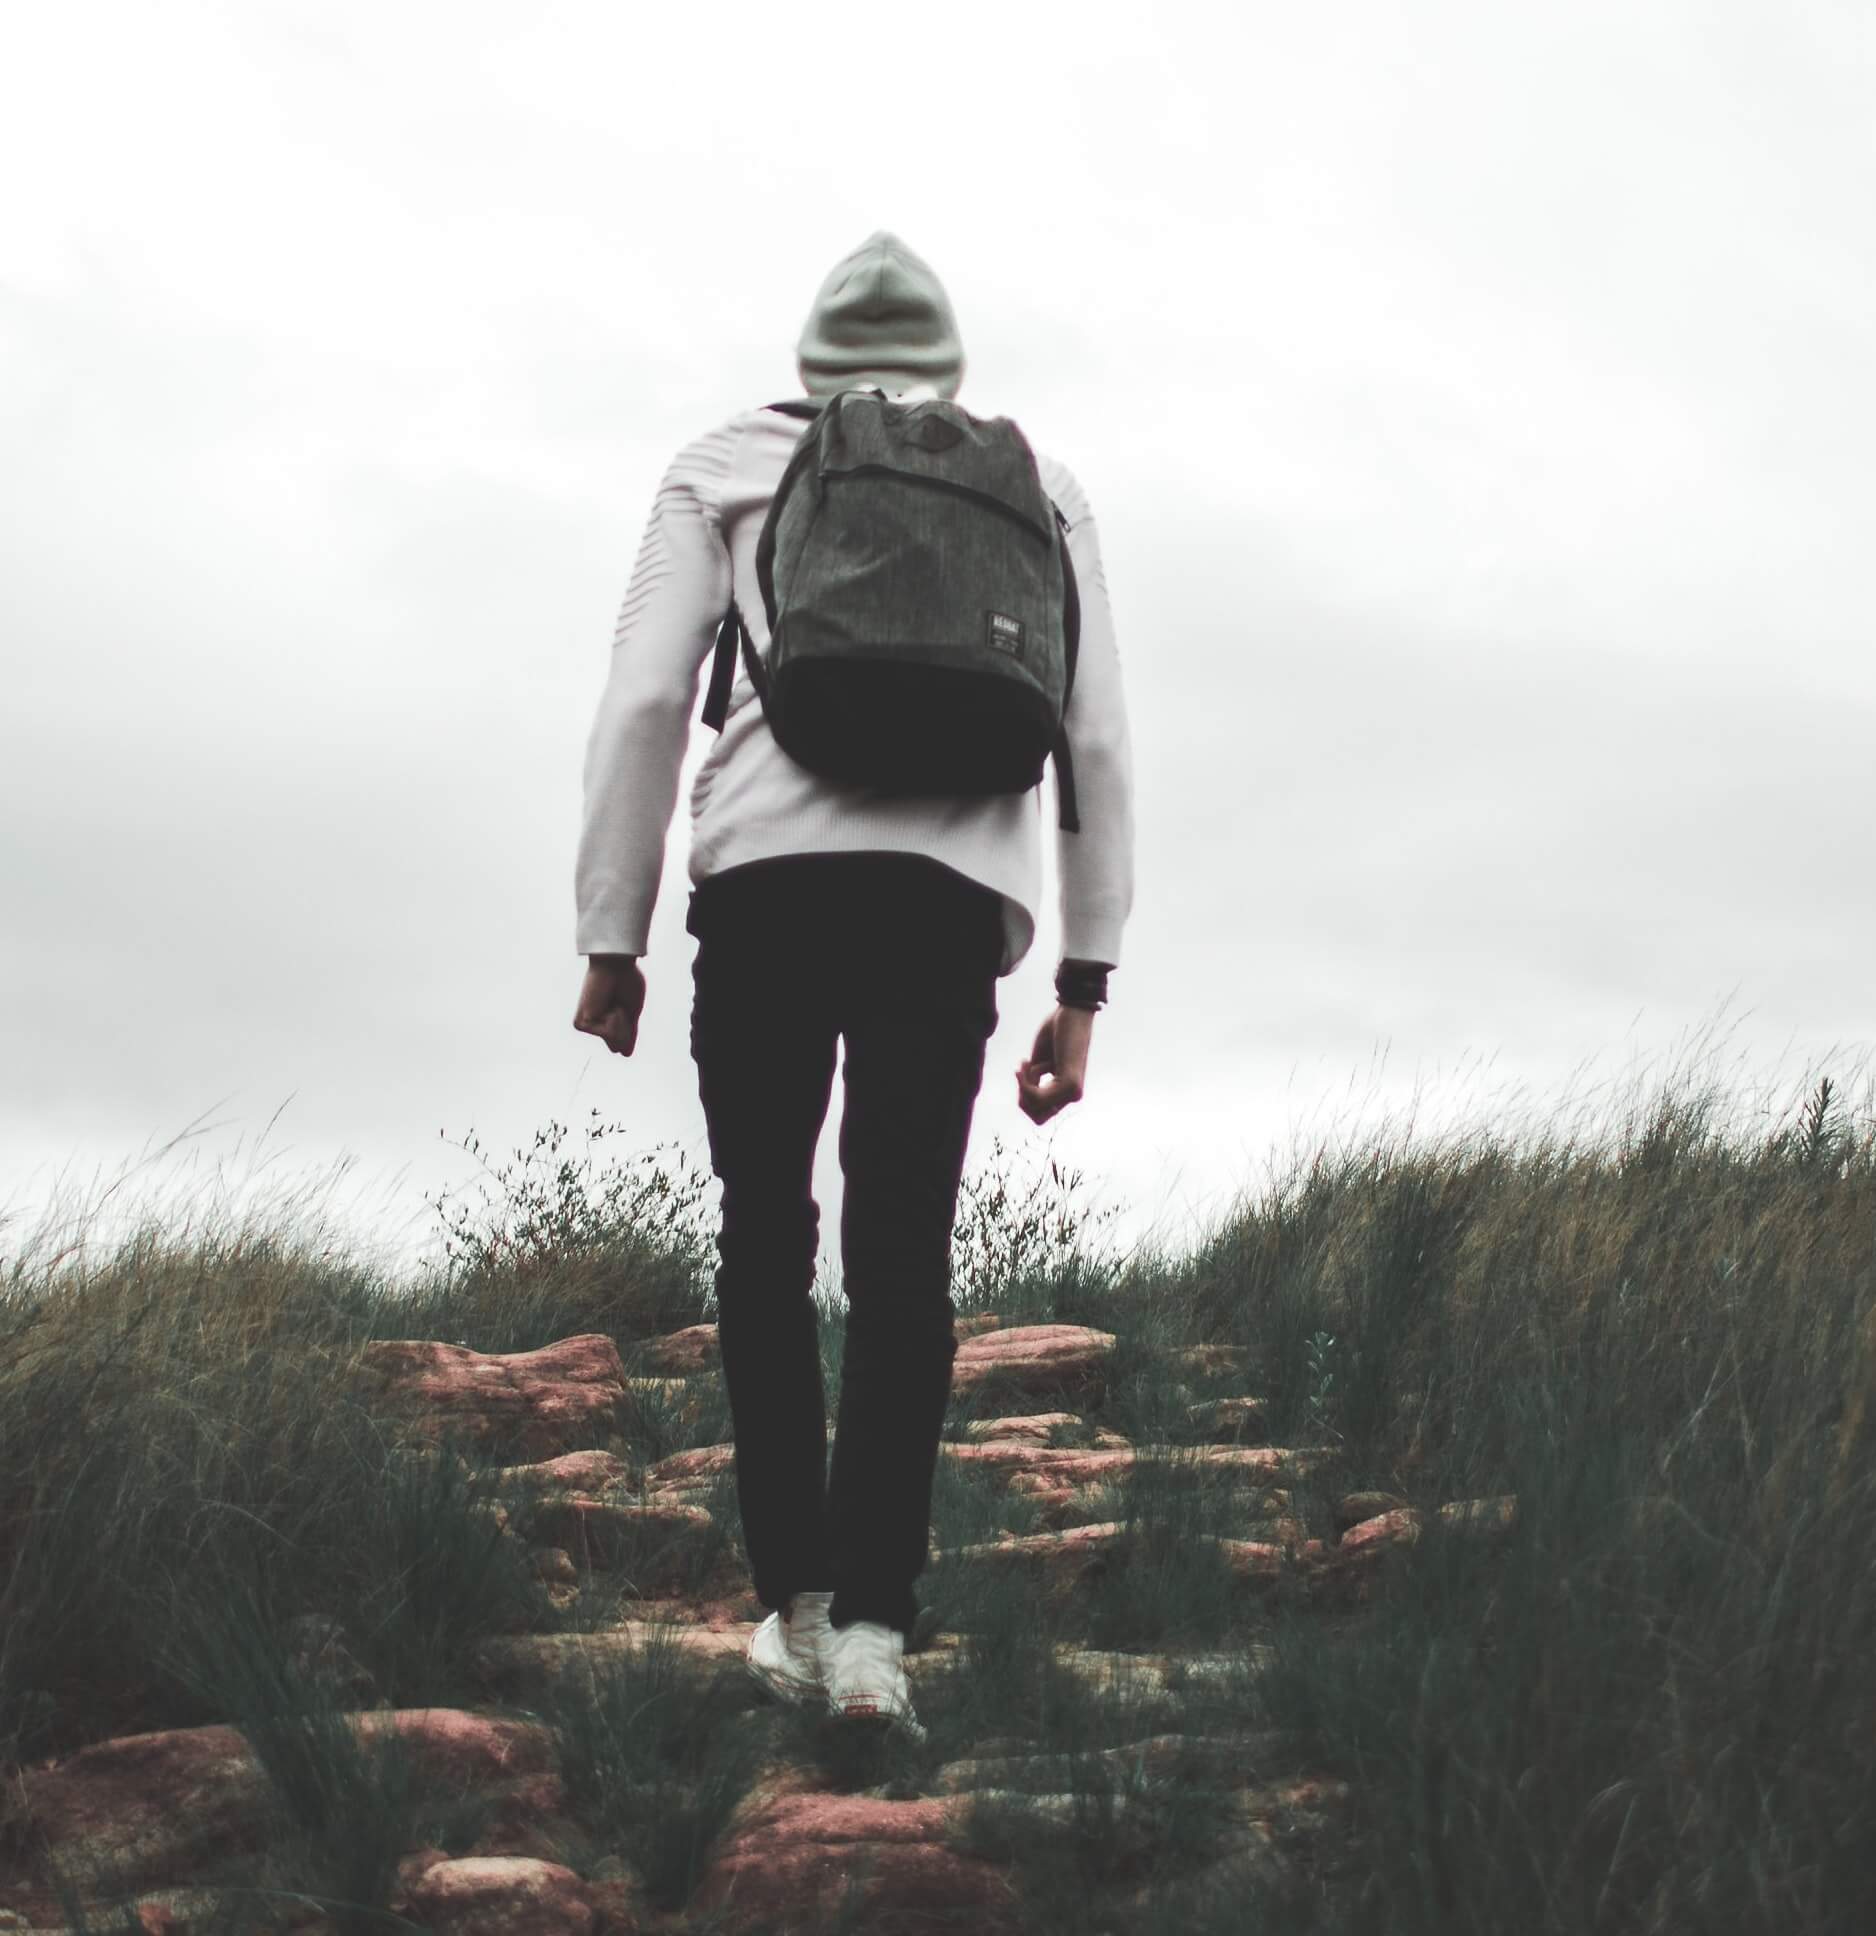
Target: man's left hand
{"points": [[612, 998]]}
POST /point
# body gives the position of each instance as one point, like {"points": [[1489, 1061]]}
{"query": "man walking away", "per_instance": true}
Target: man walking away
{"points": [[829, 913]]}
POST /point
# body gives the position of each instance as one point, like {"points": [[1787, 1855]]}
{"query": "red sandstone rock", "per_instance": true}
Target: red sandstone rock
{"points": [[1400, 1527], [1355, 1507], [1348, 1570], [146, 1809], [1071, 1465], [605, 1532], [494, 1895], [1254, 1559], [1058, 1501], [588, 1471], [683, 1468], [523, 1666], [678, 1353], [978, 1321], [1033, 1358], [792, 1865], [410, 1867], [541, 1402], [1061, 1464], [1036, 1428], [1063, 1559], [1055, 1504]]}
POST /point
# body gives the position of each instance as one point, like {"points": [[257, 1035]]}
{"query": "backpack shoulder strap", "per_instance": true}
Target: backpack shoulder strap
{"points": [[1070, 815], [731, 630]]}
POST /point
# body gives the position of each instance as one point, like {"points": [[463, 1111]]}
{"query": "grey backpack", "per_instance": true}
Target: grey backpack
{"points": [[922, 608]]}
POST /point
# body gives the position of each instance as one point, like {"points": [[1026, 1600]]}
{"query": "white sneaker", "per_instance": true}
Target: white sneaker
{"points": [[788, 1653], [866, 1677]]}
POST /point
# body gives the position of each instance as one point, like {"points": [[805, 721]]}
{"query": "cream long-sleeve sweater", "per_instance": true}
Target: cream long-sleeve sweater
{"points": [[750, 800]]}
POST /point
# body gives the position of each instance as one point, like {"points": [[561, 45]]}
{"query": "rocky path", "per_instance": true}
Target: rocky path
{"points": [[142, 1819]]}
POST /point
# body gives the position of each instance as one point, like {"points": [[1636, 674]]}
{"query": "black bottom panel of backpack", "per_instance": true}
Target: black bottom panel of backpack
{"points": [[911, 729]]}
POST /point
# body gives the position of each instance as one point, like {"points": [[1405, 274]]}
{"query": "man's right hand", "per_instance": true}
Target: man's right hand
{"points": [[1061, 1052]]}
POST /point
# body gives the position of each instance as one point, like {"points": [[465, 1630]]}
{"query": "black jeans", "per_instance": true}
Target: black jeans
{"points": [[897, 955]]}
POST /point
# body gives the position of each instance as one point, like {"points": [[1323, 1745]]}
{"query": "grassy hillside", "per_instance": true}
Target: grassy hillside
{"points": [[1652, 1707]]}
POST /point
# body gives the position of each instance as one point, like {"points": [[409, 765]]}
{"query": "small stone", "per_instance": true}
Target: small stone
{"points": [[679, 1353], [1354, 1507]]}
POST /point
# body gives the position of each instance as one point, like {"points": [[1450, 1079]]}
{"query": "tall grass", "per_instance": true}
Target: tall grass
{"points": [[1650, 1707], [1655, 1707]]}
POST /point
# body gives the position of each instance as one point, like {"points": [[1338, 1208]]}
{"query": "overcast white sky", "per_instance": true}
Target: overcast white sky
{"points": [[1476, 402]]}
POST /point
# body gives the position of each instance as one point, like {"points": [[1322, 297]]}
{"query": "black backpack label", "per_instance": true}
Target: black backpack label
{"points": [[1004, 632]]}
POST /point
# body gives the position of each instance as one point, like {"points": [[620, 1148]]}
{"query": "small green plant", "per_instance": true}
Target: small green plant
{"points": [[1320, 1370], [545, 1204], [1018, 1247], [1817, 1134], [1827, 1140], [563, 1235]]}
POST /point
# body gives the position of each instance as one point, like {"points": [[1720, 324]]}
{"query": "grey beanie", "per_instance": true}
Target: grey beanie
{"points": [[881, 317]]}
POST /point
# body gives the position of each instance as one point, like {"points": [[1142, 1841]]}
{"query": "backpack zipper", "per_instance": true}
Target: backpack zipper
{"points": [[942, 484]]}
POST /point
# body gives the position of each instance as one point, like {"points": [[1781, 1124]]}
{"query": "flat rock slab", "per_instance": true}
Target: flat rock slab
{"points": [[1037, 1358], [677, 1354], [589, 1471], [497, 1893], [800, 1860], [1037, 1428], [1062, 1560], [1354, 1507], [538, 1403], [615, 1532], [1402, 1526], [698, 1462], [1071, 1465]]}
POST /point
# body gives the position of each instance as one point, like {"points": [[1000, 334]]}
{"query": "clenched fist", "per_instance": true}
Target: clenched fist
{"points": [[1061, 1052], [612, 998]]}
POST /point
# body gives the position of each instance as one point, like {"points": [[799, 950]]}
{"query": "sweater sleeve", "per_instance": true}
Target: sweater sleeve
{"points": [[1094, 867], [679, 589]]}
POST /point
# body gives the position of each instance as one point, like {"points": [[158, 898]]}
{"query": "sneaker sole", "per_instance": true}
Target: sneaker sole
{"points": [[865, 1716]]}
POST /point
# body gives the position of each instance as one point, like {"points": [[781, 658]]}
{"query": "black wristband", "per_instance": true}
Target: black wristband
{"points": [[1082, 984]]}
